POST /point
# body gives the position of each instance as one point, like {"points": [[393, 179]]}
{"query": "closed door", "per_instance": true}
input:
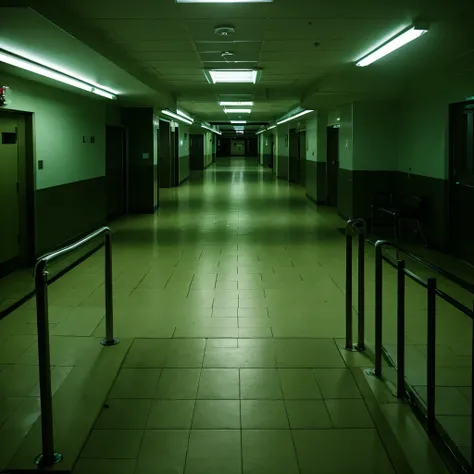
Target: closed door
{"points": [[9, 190], [302, 158], [461, 181], [332, 165], [115, 171], [293, 159]]}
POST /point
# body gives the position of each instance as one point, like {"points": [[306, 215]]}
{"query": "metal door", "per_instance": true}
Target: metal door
{"points": [[9, 190]]}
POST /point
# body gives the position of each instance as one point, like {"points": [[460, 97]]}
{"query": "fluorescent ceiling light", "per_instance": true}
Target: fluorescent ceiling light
{"points": [[238, 121], [108, 95], [294, 117], [237, 111], [269, 128], [50, 73], [236, 104], [260, 131], [224, 1], [176, 116], [233, 76], [186, 116], [392, 45], [211, 129]]}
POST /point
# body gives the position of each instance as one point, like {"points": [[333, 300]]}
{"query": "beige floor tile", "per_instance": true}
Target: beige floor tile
{"points": [[58, 376], [337, 383], [147, 353], [349, 414], [113, 444], [265, 332], [217, 414], [257, 313], [171, 415], [178, 384], [219, 384], [299, 384], [308, 353], [260, 384], [104, 466], [206, 332], [186, 353], [135, 383], [458, 428], [307, 414], [7, 406], [239, 357], [221, 343], [18, 380], [264, 414], [162, 452], [124, 414], [268, 452], [214, 452], [12, 347], [254, 322], [337, 451], [230, 312]]}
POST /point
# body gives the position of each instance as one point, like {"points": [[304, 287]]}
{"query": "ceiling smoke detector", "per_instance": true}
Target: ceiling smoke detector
{"points": [[224, 30]]}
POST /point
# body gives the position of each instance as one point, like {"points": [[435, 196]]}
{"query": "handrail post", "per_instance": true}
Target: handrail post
{"points": [[48, 457], [431, 356], [109, 339], [348, 345], [401, 329], [361, 290], [472, 382], [378, 307]]}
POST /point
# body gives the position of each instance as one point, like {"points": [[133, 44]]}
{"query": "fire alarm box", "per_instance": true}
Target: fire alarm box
{"points": [[4, 96]]}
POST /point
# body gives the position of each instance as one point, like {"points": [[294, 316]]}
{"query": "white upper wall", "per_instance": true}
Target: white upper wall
{"points": [[183, 141], [312, 139], [375, 129], [424, 125], [346, 137], [61, 119]]}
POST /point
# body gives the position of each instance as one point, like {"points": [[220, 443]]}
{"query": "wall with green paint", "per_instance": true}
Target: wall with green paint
{"points": [[64, 123]]}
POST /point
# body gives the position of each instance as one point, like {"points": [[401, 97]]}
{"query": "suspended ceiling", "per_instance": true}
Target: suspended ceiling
{"points": [[305, 48]]}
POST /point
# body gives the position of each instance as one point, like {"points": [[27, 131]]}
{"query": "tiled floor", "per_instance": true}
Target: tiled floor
{"points": [[233, 292]]}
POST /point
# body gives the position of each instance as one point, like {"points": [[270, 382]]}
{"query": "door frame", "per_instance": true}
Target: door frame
{"points": [[27, 190], [451, 184], [328, 184]]}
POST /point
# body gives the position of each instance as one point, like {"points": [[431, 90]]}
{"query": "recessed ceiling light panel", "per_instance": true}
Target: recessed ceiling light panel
{"points": [[236, 104], [218, 76], [224, 1], [238, 121], [237, 111]]}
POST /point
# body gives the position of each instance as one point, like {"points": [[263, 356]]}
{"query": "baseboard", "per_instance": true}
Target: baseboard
{"points": [[314, 201]]}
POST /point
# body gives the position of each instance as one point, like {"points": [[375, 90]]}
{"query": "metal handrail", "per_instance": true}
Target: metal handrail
{"points": [[360, 226], [430, 284], [49, 456]]}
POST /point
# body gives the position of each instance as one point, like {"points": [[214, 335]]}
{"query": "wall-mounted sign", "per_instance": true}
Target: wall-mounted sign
{"points": [[5, 96]]}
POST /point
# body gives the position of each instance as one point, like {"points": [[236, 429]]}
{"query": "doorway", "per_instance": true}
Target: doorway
{"points": [[116, 185], [332, 164], [16, 191], [293, 162], [461, 180], [302, 158], [164, 154], [196, 151], [174, 153]]}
